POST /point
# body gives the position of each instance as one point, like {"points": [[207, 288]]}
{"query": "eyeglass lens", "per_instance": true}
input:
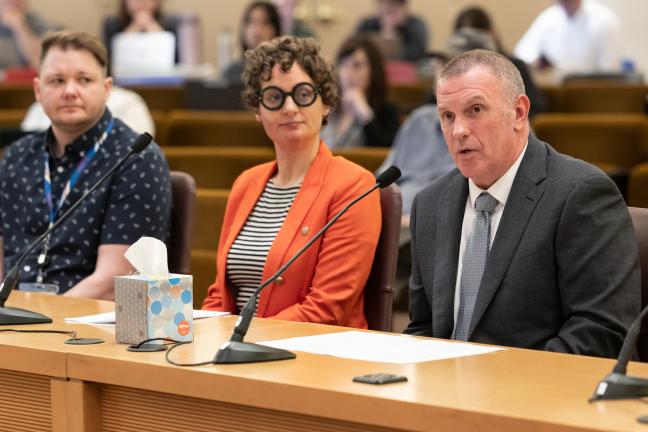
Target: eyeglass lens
{"points": [[303, 94]]}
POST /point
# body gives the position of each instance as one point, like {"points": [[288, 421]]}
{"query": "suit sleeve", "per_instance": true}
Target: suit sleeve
{"points": [[598, 270], [419, 309], [344, 260]]}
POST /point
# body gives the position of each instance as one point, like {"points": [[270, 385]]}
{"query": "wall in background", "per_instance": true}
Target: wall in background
{"points": [[512, 18]]}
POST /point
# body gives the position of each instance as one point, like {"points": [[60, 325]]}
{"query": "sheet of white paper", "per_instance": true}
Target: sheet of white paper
{"points": [[109, 317], [377, 347]]}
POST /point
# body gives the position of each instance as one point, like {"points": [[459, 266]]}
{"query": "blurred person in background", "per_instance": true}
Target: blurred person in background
{"points": [[20, 34], [290, 24], [394, 23], [140, 16], [363, 117], [260, 23], [573, 36], [476, 18], [275, 208]]}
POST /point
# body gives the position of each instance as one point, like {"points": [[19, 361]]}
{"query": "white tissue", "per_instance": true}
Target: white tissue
{"points": [[149, 257]]}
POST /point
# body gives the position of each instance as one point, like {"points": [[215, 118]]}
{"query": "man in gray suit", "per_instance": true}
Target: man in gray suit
{"points": [[521, 246]]}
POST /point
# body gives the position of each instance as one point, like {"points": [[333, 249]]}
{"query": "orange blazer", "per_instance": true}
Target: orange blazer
{"points": [[326, 284]]}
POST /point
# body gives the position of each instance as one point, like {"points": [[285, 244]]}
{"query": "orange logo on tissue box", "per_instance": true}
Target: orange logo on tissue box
{"points": [[183, 328]]}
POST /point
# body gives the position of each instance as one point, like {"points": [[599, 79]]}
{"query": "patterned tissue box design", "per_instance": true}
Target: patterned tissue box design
{"points": [[149, 307]]}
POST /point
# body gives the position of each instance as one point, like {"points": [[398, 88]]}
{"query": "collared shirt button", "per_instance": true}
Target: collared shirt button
{"points": [[279, 281], [26, 268], [59, 169], [305, 230]]}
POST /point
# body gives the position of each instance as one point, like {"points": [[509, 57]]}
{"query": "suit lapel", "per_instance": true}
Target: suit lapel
{"points": [[525, 194], [448, 238], [308, 193]]}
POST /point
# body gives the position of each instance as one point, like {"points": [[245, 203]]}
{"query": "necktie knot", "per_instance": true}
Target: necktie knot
{"points": [[485, 202]]}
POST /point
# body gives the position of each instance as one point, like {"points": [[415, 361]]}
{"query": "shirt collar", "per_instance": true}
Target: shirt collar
{"points": [[84, 141], [502, 187]]}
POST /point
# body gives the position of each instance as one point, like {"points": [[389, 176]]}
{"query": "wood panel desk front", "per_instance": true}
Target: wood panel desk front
{"points": [[104, 387]]}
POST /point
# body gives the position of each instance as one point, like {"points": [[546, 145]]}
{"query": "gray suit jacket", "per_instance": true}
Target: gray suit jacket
{"points": [[563, 270]]}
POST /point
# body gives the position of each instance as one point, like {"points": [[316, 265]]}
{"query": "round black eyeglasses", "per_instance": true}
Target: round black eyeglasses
{"points": [[303, 94]]}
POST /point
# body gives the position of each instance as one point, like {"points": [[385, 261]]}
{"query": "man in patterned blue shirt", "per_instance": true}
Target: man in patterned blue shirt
{"points": [[43, 174]]}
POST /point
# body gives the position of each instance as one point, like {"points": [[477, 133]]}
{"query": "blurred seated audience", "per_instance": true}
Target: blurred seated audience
{"points": [[20, 34], [393, 24], [137, 16], [478, 19], [290, 23], [275, 208], [124, 104], [573, 36], [362, 117], [260, 23], [420, 152]]}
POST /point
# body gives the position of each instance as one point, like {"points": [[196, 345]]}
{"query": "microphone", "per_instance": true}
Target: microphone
{"points": [[618, 385], [237, 351], [14, 316]]}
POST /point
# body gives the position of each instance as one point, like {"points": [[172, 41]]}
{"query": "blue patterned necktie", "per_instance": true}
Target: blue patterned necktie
{"points": [[474, 261]]}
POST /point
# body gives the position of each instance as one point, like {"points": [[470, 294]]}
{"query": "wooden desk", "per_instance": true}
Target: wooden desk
{"points": [[104, 387]]}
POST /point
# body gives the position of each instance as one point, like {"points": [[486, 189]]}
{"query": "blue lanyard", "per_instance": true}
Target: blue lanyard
{"points": [[53, 211]]}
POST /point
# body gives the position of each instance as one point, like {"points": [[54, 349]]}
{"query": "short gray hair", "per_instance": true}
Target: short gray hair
{"points": [[508, 75]]}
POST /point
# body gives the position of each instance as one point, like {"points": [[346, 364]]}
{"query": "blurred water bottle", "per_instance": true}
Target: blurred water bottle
{"points": [[627, 66], [189, 40], [225, 48]]}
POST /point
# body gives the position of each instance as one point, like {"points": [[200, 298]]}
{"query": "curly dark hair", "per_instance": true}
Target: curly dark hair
{"points": [[284, 51]]}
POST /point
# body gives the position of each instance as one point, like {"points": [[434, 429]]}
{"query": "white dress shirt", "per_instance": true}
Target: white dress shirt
{"points": [[589, 41], [500, 191]]}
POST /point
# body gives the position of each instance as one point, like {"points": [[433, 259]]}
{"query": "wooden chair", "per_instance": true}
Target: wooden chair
{"points": [[640, 221], [210, 211], [183, 191], [215, 128], [216, 167], [379, 290], [369, 158]]}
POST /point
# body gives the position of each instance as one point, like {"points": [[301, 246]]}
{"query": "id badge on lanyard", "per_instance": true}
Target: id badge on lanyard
{"points": [[53, 210]]}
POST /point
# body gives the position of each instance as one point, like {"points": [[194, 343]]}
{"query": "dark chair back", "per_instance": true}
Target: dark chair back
{"points": [[183, 191], [640, 221], [379, 291]]}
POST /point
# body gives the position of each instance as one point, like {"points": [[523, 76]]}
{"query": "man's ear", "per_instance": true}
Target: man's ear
{"points": [[108, 85], [522, 108], [36, 86], [257, 115]]}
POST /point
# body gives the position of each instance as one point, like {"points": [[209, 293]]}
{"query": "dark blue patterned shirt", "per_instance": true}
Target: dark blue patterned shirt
{"points": [[133, 202]]}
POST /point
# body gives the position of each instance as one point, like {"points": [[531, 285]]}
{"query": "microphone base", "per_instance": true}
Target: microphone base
{"points": [[620, 386], [243, 352], [15, 316]]}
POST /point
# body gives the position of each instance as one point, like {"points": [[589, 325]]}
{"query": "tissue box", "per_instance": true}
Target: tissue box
{"points": [[150, 307]]}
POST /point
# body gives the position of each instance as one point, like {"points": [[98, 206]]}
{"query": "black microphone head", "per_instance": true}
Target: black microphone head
{"points": [[387, 177], [141, 142]]}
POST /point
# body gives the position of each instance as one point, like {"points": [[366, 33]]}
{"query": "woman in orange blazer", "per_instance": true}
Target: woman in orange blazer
{"points": [[292, 89]]}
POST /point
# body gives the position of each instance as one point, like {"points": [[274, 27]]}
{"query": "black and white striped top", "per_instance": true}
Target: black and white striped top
{"points": [[247, 256]]}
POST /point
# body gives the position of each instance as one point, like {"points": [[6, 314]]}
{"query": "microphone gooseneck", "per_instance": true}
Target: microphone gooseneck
{"points": [[11, 279], [237, 351]]}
